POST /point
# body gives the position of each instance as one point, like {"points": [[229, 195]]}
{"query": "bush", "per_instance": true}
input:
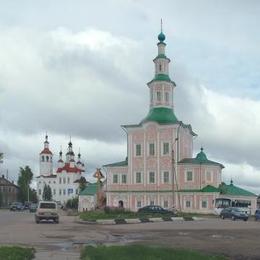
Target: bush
{"points": [[115, 210]]}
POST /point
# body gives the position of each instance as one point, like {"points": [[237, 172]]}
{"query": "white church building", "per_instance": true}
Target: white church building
{"points": [[64, 182]]}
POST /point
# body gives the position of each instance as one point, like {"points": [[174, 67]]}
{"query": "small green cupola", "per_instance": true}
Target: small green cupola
{"points": [[201, 156], [161, 37]]}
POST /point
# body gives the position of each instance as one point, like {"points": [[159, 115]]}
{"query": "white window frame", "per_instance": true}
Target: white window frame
{"points": [[149, 150], [149, 180], [163, 179], [207, 203], [188, 201], [186, 176], [162, 152], [113, 180], [125, 179], [136, 150], [141, 177]]}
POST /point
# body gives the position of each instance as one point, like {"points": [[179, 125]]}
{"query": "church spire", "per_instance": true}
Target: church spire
{"points": [[161, 88]]}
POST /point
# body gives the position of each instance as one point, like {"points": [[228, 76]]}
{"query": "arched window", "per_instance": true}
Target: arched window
{"points": [[42, 158], [160, 67], [47, 158]]}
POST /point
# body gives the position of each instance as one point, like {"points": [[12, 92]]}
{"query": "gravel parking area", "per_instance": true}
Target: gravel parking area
{"points": [[236, 239]]}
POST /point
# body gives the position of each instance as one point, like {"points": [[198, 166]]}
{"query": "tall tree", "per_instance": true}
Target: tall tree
{"points": [[47, 194], [24, 181]]}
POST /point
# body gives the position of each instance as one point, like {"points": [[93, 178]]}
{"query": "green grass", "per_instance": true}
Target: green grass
{"points": [[141, 252], [95, 215], [16, 253]]}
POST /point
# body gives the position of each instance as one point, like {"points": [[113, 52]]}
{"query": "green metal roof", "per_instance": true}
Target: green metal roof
{"points": [[210, 188], [161, 115], [200, 159], [117, 164], [231, 189], [91, 189], [162, 77]]}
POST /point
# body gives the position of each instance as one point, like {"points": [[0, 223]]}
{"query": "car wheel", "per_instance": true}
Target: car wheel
{"points": [[233, 218], [245, 219]]}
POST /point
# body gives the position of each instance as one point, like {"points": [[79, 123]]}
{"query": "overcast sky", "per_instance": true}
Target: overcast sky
{"points": [[80, 68]]}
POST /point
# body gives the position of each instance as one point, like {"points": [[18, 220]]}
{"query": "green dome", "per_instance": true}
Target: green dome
{"points": [[201, 156], [161, 37]]}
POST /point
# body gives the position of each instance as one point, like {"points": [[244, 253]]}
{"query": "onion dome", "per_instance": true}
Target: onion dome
{"points": [[161, 37], [201, 156]]}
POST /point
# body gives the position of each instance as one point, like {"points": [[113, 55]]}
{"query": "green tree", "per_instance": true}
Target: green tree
{"points": [[47, 194], [82, 183], [72, 203], [24, 181]]}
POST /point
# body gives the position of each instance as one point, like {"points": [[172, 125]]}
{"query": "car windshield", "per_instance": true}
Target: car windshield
{"points": [[48, 206], [237, 210]]}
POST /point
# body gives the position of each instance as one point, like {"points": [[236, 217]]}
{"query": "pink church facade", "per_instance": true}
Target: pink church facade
{"points": [[159, 168]]}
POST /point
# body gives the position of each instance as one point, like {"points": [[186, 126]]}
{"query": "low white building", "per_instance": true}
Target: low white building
{"points": [[64, 182]]}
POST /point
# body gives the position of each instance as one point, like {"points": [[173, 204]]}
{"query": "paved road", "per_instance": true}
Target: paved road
{"points": [[237, 239]]}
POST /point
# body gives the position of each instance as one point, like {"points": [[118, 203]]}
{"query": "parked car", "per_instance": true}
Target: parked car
{"points": [[16, 206], [154, 209], [27, 205], [33, 207], [257, 214], [233, 213], [47, 210]]}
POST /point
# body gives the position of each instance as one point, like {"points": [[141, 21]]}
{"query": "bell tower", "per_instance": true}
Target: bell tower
{"points": [[46, 164]]}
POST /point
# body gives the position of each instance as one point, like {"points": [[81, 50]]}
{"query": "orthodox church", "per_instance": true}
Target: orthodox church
{"points": [[159, 168], [65, 181]]}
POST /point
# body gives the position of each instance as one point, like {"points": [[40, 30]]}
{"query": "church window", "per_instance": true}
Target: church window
{"points": [[64, 180], [166, 178], [166, 148], [138, 149], [60, 191], [64, 192], [115, 178], [138, 177], [42, 158], [54, 192], [151, 177], [158, 93], [139, 204], [124, 178], [47, 158], [40, 192], [188, 204], [166, 96], [68, 179], [60, 180], [204, 204], [165, 204], [152, 202], [160, 67], [189, 176], [151, 149]]}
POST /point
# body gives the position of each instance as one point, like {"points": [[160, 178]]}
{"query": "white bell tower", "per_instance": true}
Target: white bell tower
{"points": [[46, 164]]}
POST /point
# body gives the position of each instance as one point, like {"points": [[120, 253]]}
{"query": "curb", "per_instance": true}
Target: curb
{"points": [[136, 220]]}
